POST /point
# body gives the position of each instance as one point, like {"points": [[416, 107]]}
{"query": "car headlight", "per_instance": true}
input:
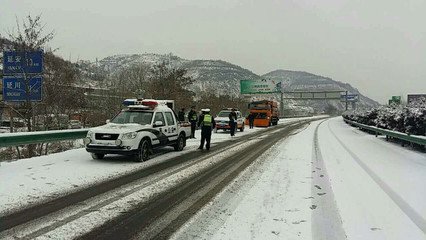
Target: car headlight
{"points": [[89, 134], [130, 135]]}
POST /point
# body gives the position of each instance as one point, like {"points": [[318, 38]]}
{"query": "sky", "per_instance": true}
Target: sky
{"points": [[377, 46]]}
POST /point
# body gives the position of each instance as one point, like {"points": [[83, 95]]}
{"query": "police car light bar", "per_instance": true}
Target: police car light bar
{"points": [[131, 101], [150, 103]]}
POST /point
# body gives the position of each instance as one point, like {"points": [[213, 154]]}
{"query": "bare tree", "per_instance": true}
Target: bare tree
{"points": [[171, 83], [133, 80]]}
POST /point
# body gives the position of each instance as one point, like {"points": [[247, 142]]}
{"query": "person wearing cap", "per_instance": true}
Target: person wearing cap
{"points": [[207, 124], [192, 117]]}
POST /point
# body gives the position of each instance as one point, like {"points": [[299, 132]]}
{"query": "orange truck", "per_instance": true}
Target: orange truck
{"points": [[265, 111]]}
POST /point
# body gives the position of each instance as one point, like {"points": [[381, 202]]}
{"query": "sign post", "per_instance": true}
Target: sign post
{"points": [[22, 80], [22, 62], [262, 86], [15, 89], [395, 100]]}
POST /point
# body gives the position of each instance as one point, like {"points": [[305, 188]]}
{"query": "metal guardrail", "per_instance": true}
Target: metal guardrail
{"points": [[421, 140], [23, 138]]}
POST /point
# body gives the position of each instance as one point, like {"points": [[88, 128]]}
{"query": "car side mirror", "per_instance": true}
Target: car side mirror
{"points": [[158, 123], [107, 121]]}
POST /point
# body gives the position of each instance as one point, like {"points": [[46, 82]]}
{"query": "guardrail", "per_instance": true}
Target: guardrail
{"points": [[421, 140], [23, 138]]}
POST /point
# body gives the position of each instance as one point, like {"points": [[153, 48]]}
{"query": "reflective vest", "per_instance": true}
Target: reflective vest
{"points": [[207, 122]]}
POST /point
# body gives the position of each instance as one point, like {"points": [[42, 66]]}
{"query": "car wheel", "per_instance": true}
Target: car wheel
{"points": [[180, 144], [144, 151], [98, 155]]}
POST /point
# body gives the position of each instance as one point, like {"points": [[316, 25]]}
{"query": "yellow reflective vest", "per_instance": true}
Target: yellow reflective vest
{"points": [[207, 121]]}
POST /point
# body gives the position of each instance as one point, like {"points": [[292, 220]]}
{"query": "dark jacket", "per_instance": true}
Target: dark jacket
{"points": [[201, 120], [181, 116], [251, 116], [191, 115], [232, 116]]}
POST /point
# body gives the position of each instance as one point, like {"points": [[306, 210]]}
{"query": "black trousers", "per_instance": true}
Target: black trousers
{"points": [[193, 126], [251, 123], [233, 126], [206, 135]]}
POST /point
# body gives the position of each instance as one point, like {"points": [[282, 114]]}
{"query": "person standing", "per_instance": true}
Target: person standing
{"points": [[233, 121], [181, 115], [192, 117], [207, 124], [251, 117]]}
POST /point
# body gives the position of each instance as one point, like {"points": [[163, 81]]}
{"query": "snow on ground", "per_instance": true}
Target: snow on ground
{"points": [[271, 199], [377, 190], [37, 179], [378, 186]]}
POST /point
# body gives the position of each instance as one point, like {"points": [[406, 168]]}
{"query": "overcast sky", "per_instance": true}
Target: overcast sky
{"points": [[378, 46]]}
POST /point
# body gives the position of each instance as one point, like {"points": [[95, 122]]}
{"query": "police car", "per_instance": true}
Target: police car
{"points": [[222, 120], [139, 128]]}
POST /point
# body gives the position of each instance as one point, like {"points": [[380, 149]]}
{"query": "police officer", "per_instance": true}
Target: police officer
{"points": [[181, 115], [251, 118], [232, 121], [192, 117], [207, 123]]}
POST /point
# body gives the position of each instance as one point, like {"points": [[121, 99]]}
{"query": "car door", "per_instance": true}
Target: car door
{"points": [[240, 120], [161, 128], [171, 130]]}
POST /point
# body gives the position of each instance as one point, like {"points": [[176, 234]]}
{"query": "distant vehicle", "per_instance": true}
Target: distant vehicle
{"points": [[222, 120], [75, 124], [266, 113], [51, 122], [137, 130]]}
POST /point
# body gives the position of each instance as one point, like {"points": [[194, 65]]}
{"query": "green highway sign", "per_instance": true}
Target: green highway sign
{"points": [[261, 86]]}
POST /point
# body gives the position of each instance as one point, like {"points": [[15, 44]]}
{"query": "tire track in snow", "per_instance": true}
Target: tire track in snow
{"points": [[402, 204], [326, 220]]}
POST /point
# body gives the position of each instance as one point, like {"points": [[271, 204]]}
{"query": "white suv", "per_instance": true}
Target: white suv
{"points": [[222, 120], [136, 130]]}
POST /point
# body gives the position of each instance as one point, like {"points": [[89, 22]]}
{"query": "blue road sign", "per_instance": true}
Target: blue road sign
{"points": [[349, 97], [22, 62], [14, 89]]}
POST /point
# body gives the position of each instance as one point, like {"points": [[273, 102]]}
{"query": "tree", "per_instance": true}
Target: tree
{"points": [[170, 83], [29, 37], [133, 80], [61, 96]]}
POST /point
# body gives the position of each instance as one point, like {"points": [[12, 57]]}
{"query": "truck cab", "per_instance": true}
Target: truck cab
{"points": [[265, 112], [138, 129]]}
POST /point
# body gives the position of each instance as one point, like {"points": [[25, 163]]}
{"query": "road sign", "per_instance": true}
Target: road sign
{"points": [[395, 100], [261, 86], [312, 95], [416, 98], [22, 62], [14, 89], [349, 98]]}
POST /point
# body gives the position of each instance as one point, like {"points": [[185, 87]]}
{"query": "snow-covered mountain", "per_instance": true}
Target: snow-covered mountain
{"points": [[303, 81], [223, 77]]}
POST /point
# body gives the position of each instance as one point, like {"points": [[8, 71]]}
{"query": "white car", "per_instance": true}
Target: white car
{"points": [[222, 120], [75, 124], [137, 130]]}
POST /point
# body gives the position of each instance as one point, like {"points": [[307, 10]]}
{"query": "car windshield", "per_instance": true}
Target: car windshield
{"points": [[223, 114], [138, 117]]}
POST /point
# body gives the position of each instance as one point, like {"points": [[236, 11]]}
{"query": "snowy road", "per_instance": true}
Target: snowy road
{"points": [[68, 171], [326, 181], [330, 181], [39, 179]]}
